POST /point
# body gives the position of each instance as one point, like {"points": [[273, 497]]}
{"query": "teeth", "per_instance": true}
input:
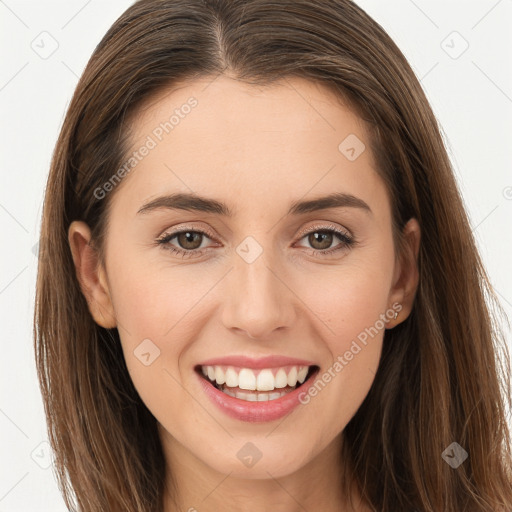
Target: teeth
{"points": [[301, 376], [254, 380], [229, 392], [266, 380], [231, 377], [219, 375], [292, 377], [246, 379], [253, 397], [281, 380]]}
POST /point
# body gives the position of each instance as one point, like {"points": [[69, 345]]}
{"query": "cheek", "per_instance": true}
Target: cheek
{"points": [[347, 300], [153, 312], [151, 298], [349, 306]]}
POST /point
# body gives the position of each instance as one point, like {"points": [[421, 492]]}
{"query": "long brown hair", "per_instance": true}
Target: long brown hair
{"points": [[444, 371]]}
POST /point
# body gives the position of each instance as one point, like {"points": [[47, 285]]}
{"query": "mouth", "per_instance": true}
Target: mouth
{"points": [[256, 385]]}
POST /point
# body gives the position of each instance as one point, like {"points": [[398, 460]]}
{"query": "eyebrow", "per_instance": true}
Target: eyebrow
{"points": [[193, 202]]}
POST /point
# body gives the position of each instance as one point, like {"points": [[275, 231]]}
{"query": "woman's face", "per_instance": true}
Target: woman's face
{"points": [[265, 276]]}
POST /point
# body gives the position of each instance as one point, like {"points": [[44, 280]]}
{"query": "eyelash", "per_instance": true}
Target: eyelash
{"points": [[347, 241]]}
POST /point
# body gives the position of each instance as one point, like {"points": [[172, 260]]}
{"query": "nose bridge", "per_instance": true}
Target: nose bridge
{"points": [[258, 302]]}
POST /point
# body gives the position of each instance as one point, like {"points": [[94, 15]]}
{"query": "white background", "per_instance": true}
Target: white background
{"points": [[471, 96]]}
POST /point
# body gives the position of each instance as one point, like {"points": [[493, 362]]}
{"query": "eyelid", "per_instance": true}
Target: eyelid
{"points": [[187, 227], [322, 226]]}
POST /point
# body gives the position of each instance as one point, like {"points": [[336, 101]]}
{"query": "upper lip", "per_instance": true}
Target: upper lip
{"points": [[256, 363]]}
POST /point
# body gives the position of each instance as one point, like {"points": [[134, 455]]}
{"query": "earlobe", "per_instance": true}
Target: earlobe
{"points": [[406, 283], [91, 275]]}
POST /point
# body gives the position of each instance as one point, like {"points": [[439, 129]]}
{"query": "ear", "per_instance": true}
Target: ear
{"points": [[91, 275], [406, 275]]}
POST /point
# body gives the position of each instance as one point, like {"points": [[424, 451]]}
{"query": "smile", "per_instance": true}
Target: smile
{"points": [[256, 385], [256, 390]]}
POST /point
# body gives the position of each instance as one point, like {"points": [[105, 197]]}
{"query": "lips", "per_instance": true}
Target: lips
{"points": [[252, 389], [256, 363]]}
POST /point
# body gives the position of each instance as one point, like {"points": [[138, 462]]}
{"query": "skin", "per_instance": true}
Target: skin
{"points": [[256, 149]]}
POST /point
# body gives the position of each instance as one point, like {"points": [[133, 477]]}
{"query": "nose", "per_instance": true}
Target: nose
{"points": [[258, 300]]}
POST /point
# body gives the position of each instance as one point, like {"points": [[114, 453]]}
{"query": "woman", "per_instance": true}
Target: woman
{"points": [[263, 291]]}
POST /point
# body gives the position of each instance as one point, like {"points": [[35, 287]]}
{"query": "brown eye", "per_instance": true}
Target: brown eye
{"points": [[320, 240], [189, 239], [185, 243]]}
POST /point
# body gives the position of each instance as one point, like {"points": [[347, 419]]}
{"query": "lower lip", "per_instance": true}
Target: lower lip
{"points": [[255, 411]]}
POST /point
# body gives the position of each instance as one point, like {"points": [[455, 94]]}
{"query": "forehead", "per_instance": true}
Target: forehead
{"points": [[235, 114], [221, 137]]}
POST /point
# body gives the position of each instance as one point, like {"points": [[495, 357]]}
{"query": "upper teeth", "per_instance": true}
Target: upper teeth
{"points": [[263, 380]]}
